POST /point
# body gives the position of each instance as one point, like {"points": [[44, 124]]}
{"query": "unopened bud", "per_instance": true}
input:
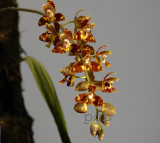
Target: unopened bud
{"points": [[105, 120], [80, 107], [100, 134], [94, 130]]}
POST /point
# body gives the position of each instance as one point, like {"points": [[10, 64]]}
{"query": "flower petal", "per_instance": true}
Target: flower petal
{"points": [[81, 21], [59, 17], [95, 67], [50, 2], [89, 38], [78, 67], [75, 49], [77, 36], [82, 98], [45, 37], [43, 20], [104, 53], [68, 33], [97, 100], [60, 48], [82, 86], [71, 81], [107, 64], [92, 50], [85, 51], [88, 27], [63, 81]]}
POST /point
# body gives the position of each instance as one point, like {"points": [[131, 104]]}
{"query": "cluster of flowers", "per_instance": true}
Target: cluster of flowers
{"points": [[87, 60]]}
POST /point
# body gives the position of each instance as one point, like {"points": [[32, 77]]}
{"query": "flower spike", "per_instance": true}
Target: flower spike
{"points": [[87, 62]]}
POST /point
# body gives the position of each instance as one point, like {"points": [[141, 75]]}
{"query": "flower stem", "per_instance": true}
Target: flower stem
{"points": [[68, 23], [80, 77], [27, 10], [87, 76], [97, 115], [23, 9]]}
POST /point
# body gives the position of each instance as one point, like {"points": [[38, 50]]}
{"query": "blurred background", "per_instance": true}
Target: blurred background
{"points": [[131, 29]]}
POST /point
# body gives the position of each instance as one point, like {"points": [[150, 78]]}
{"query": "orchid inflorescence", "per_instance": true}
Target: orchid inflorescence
{"points": [[77, 45]]}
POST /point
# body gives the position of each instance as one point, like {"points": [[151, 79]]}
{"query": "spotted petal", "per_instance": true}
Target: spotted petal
{"points": [[75, 49], [95, 67], [81, 21], [45, 37], [78, 67], [43, 20], [59, 17], [60, 48]]}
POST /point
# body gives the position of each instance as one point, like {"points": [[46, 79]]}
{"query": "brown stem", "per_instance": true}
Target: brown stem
{"points": [[15, 122]]}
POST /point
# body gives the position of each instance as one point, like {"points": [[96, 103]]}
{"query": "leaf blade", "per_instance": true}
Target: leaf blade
{"points": [[49, 93]]}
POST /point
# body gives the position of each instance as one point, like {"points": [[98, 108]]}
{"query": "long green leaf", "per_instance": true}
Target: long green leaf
{"points": [[48, 91]]}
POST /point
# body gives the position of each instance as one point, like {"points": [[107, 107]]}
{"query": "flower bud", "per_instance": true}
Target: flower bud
{"points": [[105, 120], [80, 107], [108, 109], [100, 134], [94, 130]]}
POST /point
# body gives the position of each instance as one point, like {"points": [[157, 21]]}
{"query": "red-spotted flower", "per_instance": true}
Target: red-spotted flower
{"points": [[81, 21], [107, 83], [69, 77], [89, 98], [85, 33], [87, 61], [51, 33], [63, 42], [50, 14], [103, 54]]}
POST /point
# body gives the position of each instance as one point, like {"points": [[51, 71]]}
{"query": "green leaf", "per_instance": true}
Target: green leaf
{"points": [[48, 91]]}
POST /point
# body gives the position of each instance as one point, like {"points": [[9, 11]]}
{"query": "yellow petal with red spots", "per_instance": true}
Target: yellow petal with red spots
{"points": [[107, 64], [111, 79], [60, 48], [78, 67], [68, 33], [43, 20], [85, 51], [50, 2], [82, 86], [92, 50], [89, 38], [59, 17], [45, 37], [98, 59], [63, 81], [104, 53], [95, 67], [97, 100], [81, 21], [77, 36], [82, 98], [75, 49]]}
